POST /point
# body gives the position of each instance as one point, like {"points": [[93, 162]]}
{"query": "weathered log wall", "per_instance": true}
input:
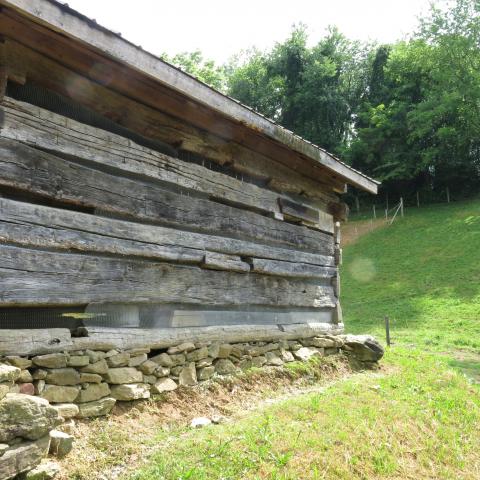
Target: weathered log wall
{"points": [[89, 216]]}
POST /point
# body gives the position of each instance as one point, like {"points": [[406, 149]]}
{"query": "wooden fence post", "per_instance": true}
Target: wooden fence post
{"points": [[401, 206], [387, 330], [374, 212], [418, 199], [448, 195]]}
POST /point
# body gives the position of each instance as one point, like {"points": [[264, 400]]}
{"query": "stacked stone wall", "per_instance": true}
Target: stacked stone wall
{"points": [[38, 393]]}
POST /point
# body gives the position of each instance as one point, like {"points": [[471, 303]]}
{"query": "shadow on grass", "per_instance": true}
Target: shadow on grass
{"points": [[469, 367]]}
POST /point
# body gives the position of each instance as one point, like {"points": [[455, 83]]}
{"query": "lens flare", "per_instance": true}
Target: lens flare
{"points": [[362, 269]]}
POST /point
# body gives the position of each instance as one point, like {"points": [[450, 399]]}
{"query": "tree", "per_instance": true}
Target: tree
{"points": [[194, 64]]}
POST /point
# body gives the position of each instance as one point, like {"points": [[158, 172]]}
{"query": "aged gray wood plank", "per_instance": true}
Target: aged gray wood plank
{"points": [[60, 135], [99, 337], [220, 261], [31, 170], [306, 214], [34, 342], [46, 227], [291, 269], [33, 277]]}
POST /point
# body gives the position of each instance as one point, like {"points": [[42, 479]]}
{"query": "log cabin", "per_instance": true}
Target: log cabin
{"points": [[140, 206]]}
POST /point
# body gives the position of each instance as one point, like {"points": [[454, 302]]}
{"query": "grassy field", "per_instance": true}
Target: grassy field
{"points": [[417, 418]]}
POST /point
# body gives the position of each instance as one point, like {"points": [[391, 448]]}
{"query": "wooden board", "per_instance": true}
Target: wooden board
{"points": [[34, 342], [220, 261], [100, 338], [60, 135], [291, 269], [44, 227], [33, 277], [31, 170]]}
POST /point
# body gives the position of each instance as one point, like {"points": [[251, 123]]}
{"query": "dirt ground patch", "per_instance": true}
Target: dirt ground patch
{"points": [[109, 448]]}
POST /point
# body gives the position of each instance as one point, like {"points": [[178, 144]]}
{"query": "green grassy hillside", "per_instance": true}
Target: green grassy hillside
{"points": [[424, 273]]}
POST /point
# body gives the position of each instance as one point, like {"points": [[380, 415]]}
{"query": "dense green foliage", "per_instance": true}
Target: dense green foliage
{"points": [[408, 113]]}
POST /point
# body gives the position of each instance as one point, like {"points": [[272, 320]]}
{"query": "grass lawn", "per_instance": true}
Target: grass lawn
{"points": [[417, 418]]}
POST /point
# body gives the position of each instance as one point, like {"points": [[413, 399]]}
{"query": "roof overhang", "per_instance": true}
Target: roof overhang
{"points": [[73, 25]]}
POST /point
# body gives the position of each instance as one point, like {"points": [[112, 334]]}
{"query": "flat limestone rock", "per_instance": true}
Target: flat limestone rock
{"points": [[66, 410], [137, 360], [365, 348], [26, 416], [4, 389], [9, 373], [224, 367], [78, 361], [61, 443], [25, 377], [129, 392], [92, 392], [51, 360], [163, 359], [100, 367], [19, 362], [96, 409], [273, 359], [164, 385], [183, 347], [305, 353], [259, 361], [90, 378], [23, 457], [119, 376], [196, 355], [206, 372], [63, 376], [118, 360], [148, 367], [60, 393], [188, 375], [45, 471], [200, 422]]}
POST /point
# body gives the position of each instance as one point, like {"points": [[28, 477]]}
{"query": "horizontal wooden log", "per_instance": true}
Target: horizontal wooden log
{"points": [[32, 277], [44, 227], [40, 341], [60, 135], [220, 261], [296, 211], [34, 342], [291, 269], [30, 170], [106, 338], [154, 123]]}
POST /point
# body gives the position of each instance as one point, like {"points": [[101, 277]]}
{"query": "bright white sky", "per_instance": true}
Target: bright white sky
{"points": [[221, 28]]}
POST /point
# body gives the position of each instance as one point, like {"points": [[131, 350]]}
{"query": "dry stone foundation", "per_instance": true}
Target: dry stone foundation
{"points": [[39, 393]]}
